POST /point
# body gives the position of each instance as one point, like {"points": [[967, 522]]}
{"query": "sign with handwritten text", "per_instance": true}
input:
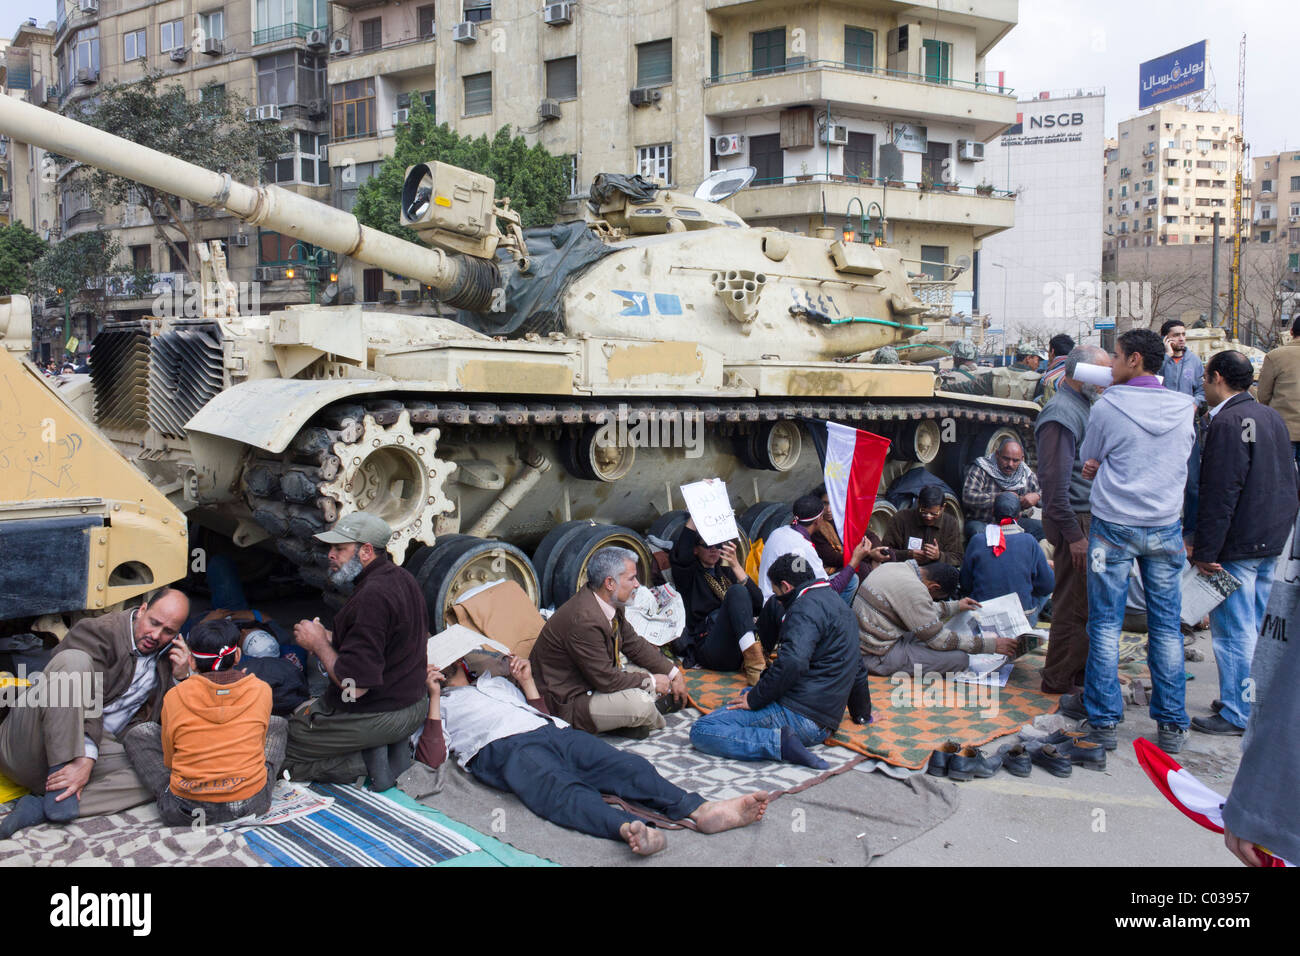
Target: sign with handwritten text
{"points": [[711, 510]]}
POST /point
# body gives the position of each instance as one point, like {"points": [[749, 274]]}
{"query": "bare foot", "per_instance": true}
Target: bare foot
{"points": [[643, 840], [718, 815]]}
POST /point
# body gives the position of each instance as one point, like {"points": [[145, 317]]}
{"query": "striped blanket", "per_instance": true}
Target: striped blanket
{"points": [[359, 829]]}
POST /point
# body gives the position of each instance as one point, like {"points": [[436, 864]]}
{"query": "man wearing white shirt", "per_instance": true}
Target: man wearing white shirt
{"points": [[796, 538], [507, 739]]}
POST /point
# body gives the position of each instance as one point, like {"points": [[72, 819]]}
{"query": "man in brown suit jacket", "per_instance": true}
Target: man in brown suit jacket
{"points": [[576, 660], [62, 738]]}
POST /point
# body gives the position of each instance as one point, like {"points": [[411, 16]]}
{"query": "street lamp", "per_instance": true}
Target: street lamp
{"points": [[313, 262]]}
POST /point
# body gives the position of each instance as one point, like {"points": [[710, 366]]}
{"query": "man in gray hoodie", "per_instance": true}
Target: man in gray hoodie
{"points": [[1138, 438]]}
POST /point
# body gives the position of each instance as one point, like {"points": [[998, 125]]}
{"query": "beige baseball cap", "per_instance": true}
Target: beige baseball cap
{"points": [[358, 528]]}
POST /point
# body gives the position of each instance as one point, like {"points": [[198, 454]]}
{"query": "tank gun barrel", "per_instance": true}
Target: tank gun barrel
{"points": [[461, 281]]}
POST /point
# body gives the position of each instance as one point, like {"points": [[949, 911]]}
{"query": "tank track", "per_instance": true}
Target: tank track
{"points": [[287, 493]]}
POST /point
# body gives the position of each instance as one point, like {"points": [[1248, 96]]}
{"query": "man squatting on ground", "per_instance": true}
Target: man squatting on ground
{"points": [[800, 699], [72, 762], [508, 739]]}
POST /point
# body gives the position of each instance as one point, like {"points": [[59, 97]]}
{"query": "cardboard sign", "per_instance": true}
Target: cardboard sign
{"points": [[711, 510]]}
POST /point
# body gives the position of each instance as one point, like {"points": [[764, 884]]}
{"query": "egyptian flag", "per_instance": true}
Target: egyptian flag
{"points": [[852, 462], [1194, 799]]}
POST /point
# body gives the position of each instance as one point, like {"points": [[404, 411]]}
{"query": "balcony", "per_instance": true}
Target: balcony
{"points": [[408, 57], [991, 109], [286, 31], [967, 206]]}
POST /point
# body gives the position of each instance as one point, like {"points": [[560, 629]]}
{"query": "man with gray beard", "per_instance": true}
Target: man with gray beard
{"points": [[375, 659], [1059, 433]]}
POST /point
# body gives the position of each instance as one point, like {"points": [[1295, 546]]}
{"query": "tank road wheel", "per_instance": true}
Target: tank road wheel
{"points": [[392, 471], [990, 438], [882, 512], [565, 568], [458, 563], [953, 507], [919, 441], [670, 524], [762, 519], [584, 456], [772, 446]]}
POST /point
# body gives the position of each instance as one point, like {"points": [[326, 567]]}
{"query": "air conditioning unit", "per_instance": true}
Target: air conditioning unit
{"points": [[340, 45], [213, 46], [159, 210], [898, 39], [433, 32], [88, 6], [835, 135], [971, 150], [239, 239], [179, 54], [317, 108], [644, 96], [728, 144], [317, 39], [557, 14], [265, 274], [263, 113], [1295, 219], [466, 32], [87, 76], [388, 296], [401, 116], [795, 62], [549, 110]]}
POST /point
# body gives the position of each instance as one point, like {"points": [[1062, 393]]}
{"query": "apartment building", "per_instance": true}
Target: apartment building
{"points": [[255, 49], [1275, 199], [809, 94], [1170, 173], [28, 66]]}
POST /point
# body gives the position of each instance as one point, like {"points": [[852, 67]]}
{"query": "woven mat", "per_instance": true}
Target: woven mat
{"points": [[912, 721], [359, 829]]}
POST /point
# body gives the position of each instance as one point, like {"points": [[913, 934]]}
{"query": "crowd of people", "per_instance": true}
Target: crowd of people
{"points": [[204, 724]]}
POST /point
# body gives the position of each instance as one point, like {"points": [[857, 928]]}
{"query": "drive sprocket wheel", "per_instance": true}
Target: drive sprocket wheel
{"points": [[393, 472]]}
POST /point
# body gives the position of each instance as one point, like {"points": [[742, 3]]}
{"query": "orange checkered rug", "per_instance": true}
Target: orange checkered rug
{"points": [[911, 719]]}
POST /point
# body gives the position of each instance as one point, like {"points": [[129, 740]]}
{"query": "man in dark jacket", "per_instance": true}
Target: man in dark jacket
{"points": [[1012, 564], [800, 699], [1247, 503], [721, 602]]}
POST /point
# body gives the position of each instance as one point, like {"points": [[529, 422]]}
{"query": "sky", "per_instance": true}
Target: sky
{"points": [[1069, 44]]}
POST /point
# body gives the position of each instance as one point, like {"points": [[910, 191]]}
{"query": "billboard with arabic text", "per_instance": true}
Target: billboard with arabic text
{"points": [[1176, 74]]}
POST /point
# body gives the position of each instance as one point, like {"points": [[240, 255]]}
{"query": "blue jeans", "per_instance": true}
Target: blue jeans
{"points": [[1161, 557], [850, 590], [752, 734], [1234, 626]]}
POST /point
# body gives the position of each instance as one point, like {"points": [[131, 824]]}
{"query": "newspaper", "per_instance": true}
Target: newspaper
{"points": [[1000, 616], [657, 614], [289, 801], [992, 670], [1202, 593]]}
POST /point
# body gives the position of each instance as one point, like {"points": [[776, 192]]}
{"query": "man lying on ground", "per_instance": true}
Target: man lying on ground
{"points": [[507, 739], [800, 699], [721, 603], [62, 740]]}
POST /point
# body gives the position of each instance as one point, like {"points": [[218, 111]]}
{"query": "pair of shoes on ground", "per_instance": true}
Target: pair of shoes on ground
{"points": [[962, 763], [1169, 737], [1216, 723], [1062, 751]]}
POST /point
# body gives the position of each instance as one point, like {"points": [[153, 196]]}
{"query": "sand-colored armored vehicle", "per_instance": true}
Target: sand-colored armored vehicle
{"points": [[588, 371]]}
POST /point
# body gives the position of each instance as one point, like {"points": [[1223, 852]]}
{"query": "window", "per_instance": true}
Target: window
{"points": [[769, 52], [213, 96], [573, 173], [179, 263], [404, 101], [372, 283], [1295, 183], [85, 54], [477, 11], [372, 33], [859, 156], [306, 163], [1266, 186], [424, 19], [766, 156], [478, 94], [935, 162], [354, 109], [133, 45], [654, 63], [859, 49], [715, 57], [562, 78], [1265, 235], [141, 259], [286, 79], [1293, 261], [933, 259], [1295, 209], [171, 35], [656, 162], [938, 61], [276, 247], [213, 25]]}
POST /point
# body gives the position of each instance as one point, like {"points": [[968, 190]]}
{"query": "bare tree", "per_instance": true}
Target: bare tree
{"points": [[1268, 295]]}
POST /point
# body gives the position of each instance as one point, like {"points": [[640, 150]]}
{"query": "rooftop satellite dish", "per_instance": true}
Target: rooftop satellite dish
{"points": [[963, 262], [719, 185]]}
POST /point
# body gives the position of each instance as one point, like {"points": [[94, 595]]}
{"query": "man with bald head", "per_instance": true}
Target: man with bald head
{"points": [[990, 476], [1059, 433], [61, 740]]}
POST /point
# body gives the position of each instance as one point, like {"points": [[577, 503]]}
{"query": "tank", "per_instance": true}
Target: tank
{"points": [[581, 374]]}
